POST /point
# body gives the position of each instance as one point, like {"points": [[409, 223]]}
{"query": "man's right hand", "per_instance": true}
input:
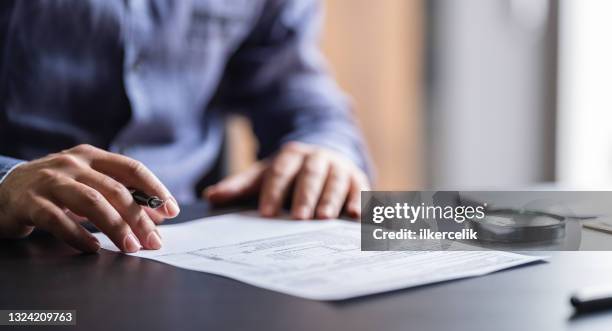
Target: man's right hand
{"points": [[54, 193]]}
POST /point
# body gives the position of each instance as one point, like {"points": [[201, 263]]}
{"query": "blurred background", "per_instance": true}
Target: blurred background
{"points": [[473, 93]]}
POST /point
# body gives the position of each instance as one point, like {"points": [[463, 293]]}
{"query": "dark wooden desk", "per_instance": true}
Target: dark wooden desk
{"points": [[117, 292]]}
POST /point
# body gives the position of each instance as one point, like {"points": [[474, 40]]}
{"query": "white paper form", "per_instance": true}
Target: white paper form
{"points": [[319, 260]]}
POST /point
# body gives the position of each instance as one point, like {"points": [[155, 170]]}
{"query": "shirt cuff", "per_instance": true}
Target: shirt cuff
{"points": [[7, 165]]}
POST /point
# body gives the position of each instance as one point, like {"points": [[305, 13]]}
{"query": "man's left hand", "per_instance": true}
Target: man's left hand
{"points": [[324, 183]]}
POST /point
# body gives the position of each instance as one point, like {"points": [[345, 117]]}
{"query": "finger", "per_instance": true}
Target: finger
{"points": [[309, 185], [122, 201], [237, 186], [49, 217], [277, 179], [353, 203], [144, 228], [156, 217], [84, 200], [74, 217], [334, 193], [134, 174]]}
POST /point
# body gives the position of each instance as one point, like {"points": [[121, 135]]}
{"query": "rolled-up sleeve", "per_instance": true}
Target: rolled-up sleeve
{"points": [[278, 79]]}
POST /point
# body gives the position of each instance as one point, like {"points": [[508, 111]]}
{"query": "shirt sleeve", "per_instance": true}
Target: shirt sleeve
{"points": [[7, 165], [278, 79]]}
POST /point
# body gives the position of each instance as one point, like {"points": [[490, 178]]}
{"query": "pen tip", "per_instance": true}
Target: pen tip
{"points": [[155, 202]]}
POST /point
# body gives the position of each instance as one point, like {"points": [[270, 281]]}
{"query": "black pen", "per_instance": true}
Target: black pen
{"points": [[592, 299], [144, 199]]}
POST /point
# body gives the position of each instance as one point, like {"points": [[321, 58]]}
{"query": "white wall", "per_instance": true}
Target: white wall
{"points": [[585, 93], [490, 104]]}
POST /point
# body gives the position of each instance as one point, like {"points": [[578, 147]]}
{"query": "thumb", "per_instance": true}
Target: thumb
{"points": [[236, 186]]}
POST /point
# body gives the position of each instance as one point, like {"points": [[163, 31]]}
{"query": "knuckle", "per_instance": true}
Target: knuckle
{"points": [[156, 218], [48, 176], [293, 146], [117, 229], [93, 197], [114, 188], [67, 160], [278, 169], [326, 201], [84, 148], [338, 181], [330, 196], [320, 153], [118, 191], [335, 177], [139, 222], [314, 168], [272, 194], [136, 168], [142, 221]]}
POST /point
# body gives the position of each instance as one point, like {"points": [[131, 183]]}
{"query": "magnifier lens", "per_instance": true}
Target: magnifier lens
{"points": [[519, 228]]}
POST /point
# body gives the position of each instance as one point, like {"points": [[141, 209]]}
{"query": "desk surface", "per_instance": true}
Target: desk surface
{"points": [[117, 292]]}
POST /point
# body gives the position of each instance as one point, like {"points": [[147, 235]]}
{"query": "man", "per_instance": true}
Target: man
{"points": [[148, 83]]}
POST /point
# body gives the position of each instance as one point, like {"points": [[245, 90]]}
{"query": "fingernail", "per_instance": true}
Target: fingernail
{"points": [[267, 211], [325, 212], [302, 213], [172, 208], [131, 243], [154, 241]]}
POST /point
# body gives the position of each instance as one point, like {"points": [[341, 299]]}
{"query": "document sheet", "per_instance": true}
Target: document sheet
{"points": [[318, 260]]}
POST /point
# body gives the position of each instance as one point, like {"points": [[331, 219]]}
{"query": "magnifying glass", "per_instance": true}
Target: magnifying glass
{"points": [[517, 226], [511, 227]]}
